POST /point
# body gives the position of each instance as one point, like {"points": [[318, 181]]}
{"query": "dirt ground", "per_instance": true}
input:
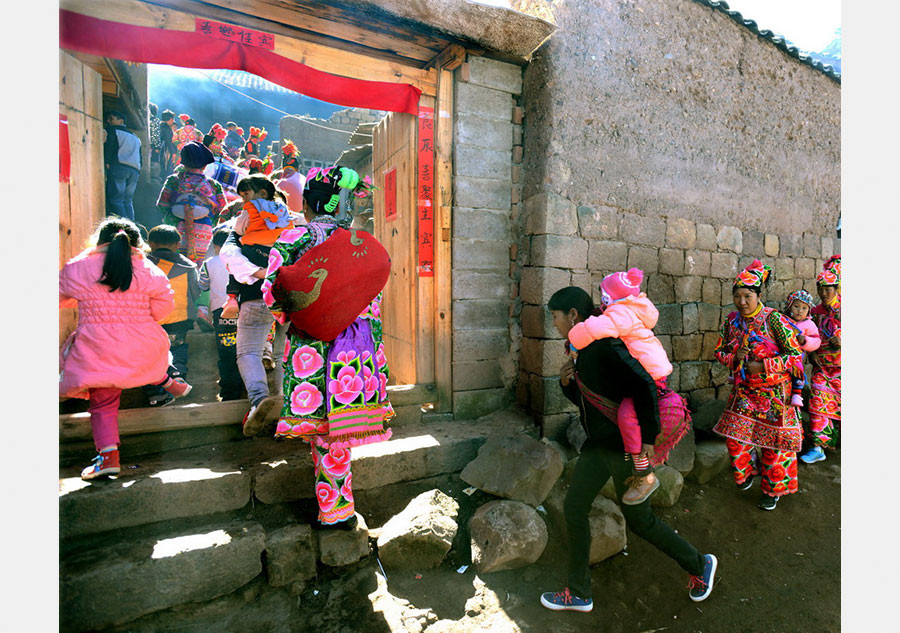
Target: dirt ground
{"points": [[779, 572]]}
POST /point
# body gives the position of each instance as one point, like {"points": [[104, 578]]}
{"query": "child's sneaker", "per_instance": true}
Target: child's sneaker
{"points": [[747, 485], [104, 464], [768, 503], [640, 489], [258, 415], [161, 400], [178, 387], [796, 400], [701, 586], [230, 309], [268, 356], [813, 455], [565, 601]]}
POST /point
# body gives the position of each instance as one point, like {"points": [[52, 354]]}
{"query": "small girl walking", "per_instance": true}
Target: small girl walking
{"points": [[118, 343], [797, 310], [628, 314]]}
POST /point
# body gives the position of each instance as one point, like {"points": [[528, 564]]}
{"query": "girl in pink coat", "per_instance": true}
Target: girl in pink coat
{"points": [[797, 308], [630, 316], [118, 343]]}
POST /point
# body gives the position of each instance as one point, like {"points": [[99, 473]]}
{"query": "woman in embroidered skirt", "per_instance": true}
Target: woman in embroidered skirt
{"points": [[762, 351], [335, 392], [825, 384]]}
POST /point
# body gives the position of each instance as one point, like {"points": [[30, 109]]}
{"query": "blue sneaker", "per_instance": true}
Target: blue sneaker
{"points": [[701, 586], [813, 455], [565, 601]]}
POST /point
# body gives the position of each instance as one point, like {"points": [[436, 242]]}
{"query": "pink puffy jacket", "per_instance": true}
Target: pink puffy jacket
{"points": [[630, 319], [118, 342], [810, 331]]}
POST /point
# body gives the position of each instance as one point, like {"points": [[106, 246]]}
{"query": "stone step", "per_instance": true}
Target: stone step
{"points": [[227, 476]]}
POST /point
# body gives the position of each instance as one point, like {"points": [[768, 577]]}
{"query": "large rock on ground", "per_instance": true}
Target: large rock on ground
{"points": [[344, 547], [681, 457], [671, 483], [124, 581], [515, 467], [506, 535], [708, 414], [607, 529], [710, 459], [421, 535], [290, 555]]}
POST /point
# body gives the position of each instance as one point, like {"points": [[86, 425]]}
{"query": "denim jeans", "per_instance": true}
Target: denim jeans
{"points": [[254, 323], [121, 181]]}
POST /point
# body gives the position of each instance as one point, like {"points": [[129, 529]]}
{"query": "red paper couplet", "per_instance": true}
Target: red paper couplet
{"points": [[390, 195], [65, 154], [232, 33], [425, 193]]}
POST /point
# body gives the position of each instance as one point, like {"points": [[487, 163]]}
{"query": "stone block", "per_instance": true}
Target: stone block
{"points": [[701, 396], [827, 248], [606, 257], [478, 374], [489, 256], [575, 435], [708, 347], [686, 347], [671, 261], [670, 319], [689, 314], [546, 397], [514, 466], [556, 427], [541, 356], [290, 555], [598, 223], [477, 134], [681, 457], [481, 161], [661, 289], [517, 134], [344, 547], [582, 279], [697, 263], [470, 284], [805, 268], [723, 392], [537, 322], [518, 115], [674, 379], [730, 238], [494, 74], [548, 212], [671, 483], [771, 245], [420, 536], [784, 268], [719, 373], [712, 291], [468, 405], [537, 285], [812, 245], [710, 459], [486, 102], [709, 316], [559, 251], [479, 314], [607, 524], [754, 244], [706, 237], [480, 224], [666, 341], [646, 231], [480, 344], [643, 257], [150, 574], [723, 265], [708, 414], [792, 245], [482, 193], [506, 535], [694, 375], [727, 300], [681, 233], [688, 289]]}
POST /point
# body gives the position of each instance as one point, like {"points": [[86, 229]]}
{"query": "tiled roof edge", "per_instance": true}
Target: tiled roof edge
{"points": [[772, 37]]}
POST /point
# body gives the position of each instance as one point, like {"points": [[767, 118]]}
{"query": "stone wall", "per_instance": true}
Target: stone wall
{"points": [[321, 144], [487, 176], [662, 135]]}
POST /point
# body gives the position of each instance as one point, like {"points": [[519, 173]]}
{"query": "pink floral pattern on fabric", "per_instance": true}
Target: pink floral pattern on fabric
{"points": [[372, 384], [305, 399], [348, 385], [267, 296], [337, 462], [276, 260], [292, 235], [346, 488], [380, 357], [306, 361], [327, 495]]}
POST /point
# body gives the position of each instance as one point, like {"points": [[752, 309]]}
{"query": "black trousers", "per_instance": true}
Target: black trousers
{"points": [[230, 384], [597, 462]]}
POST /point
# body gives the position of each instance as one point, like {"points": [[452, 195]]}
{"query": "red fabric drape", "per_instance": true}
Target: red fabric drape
{"points": [[190, 49], [65, 156]]}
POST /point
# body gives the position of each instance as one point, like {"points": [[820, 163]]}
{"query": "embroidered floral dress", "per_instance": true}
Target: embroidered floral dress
{"points": [[759, 414], [192, 188], [335, 392], [825, 383]]}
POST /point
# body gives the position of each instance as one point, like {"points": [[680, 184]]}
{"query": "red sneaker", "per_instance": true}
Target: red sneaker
{"points": [[104, 464], [177, 387]]}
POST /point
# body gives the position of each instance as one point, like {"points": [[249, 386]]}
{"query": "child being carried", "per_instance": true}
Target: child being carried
{"points": [[797, 310]]}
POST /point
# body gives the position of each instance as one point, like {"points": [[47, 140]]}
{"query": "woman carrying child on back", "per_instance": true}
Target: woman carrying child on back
{"points": [[797, 310], [118, 343], [628, 314]]}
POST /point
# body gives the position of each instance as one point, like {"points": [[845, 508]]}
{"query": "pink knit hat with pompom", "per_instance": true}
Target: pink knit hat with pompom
{"points": [[620, 285]]}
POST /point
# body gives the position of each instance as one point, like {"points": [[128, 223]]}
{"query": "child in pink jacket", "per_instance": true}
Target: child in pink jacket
{"points": [[797, 309], [118, 344], [630, 316]]}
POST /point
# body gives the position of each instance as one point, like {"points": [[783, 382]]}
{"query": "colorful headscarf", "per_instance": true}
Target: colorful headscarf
{"points": [[831, 272], [800, 295], [753, 276], [291, 156]]}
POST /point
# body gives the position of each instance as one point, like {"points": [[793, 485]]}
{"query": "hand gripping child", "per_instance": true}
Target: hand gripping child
{"points": [[797, 308], [629, 315]]}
